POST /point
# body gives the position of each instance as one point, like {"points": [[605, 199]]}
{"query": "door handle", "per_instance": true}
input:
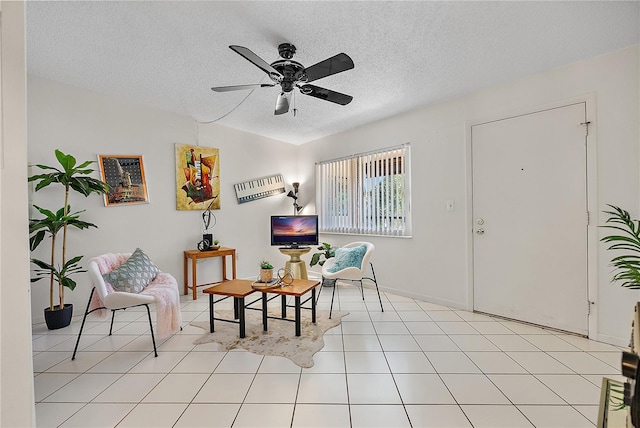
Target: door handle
{"points": [[480, 231]]}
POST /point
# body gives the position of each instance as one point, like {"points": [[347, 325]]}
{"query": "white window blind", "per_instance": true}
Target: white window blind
{"points": [[366, 194]]}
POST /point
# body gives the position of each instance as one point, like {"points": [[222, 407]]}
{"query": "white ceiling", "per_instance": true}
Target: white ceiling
{"points": [[407, 54]]}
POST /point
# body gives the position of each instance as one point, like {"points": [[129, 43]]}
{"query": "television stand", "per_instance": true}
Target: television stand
{"points": [[295, 265]]}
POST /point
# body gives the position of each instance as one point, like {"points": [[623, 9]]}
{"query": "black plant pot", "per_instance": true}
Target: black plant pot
{"points": [[58, 318]]}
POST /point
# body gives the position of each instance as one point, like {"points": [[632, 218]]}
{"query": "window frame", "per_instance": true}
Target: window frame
{"points": [[358, 172]]}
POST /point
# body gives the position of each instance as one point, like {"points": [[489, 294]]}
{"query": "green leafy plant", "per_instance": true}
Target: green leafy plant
{"points": [[326, 251], [215, 242], [616, 398], [72, 177], [626, 238], [265, 265]]}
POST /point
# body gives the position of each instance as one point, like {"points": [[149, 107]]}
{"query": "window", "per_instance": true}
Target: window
{"points": [[366, 194]]}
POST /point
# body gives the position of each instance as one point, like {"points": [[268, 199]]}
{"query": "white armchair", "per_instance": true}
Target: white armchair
{"points": [[161, 290], [350, 273]]}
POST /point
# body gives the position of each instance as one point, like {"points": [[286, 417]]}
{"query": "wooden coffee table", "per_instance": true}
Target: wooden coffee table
{"points": [[236, 288], [297, 289]]}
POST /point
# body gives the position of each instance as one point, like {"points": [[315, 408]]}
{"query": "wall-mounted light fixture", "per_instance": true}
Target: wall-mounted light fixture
{"points": [[294, 195]]}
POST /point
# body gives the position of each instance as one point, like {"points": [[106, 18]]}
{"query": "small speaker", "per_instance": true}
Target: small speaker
{"points": [[206, 243]]}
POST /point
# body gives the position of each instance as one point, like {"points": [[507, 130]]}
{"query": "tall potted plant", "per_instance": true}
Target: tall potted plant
{"points": [[625, 238], [71, 177]]}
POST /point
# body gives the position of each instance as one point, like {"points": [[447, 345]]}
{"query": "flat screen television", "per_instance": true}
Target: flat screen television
{"points": [[294, 231]]}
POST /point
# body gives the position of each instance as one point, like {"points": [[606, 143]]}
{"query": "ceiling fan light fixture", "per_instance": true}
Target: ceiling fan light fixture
{"points": [[286, 50]]}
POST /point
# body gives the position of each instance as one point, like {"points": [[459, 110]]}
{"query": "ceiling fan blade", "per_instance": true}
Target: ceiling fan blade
{"points": [[335, 64], [256, 60], [326, 94], [242, 87], [282, 103]]}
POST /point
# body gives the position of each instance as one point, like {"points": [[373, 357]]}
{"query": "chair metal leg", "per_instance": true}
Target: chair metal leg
{"points": [[320, 289], [113, 315], [375, 281], [335, 285], [362, 289], [153, 339], [84, 318]]}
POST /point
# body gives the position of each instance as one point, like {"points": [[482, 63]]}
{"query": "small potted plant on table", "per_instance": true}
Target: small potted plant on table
{"points": [[266, 271]]}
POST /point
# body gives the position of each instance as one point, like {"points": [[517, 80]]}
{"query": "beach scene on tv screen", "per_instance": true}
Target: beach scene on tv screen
{"points": [[294, 229]]}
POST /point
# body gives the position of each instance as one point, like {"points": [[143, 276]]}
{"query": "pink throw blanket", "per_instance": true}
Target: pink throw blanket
{"points": [[163, 288]]}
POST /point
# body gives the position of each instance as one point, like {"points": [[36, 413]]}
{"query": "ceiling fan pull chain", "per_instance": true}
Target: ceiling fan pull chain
{"points": [[295, 110]]}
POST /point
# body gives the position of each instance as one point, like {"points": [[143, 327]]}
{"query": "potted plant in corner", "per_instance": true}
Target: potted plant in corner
{"points": [[71, 177], [627, 239], [326, 251]]}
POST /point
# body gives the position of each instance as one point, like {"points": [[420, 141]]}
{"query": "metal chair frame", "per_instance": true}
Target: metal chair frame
{"points": [[335, 286], [113, 313]]}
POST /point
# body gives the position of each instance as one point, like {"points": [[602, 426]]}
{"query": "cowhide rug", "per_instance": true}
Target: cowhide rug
{"points": [[280, 339]]}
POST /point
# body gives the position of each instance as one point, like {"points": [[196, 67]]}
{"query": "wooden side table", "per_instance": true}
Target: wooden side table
{"points": [[238, 289], [296, 265], [194, 255], [297, 289]]}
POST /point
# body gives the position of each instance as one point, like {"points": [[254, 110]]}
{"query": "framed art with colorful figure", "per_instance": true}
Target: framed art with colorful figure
{"points": [[197, 177], [125, 176]]}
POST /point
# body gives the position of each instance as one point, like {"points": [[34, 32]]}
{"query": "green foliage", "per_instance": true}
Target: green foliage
{"points": [[616, 398], [265, 265], [62, 276], [326, 251], [52, 223], [70, 176], [626, 238]]}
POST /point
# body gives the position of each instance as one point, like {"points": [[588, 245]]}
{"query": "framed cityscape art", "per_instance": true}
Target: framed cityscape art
{"points": [[197, 177], [125, 175]]}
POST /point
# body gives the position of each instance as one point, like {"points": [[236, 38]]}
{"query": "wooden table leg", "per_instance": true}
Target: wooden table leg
{"points": [[193, 277], [233, 264], [224, 268], [186, 274]]}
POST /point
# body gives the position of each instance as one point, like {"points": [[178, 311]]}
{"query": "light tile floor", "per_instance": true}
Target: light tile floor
{"points": [[416, 364]]}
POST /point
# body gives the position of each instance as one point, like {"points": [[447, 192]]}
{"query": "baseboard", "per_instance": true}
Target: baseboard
{"points": [[430, 299], [611, 340]]}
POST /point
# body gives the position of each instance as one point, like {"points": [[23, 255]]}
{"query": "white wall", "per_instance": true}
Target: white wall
{"points": [[86, 124], [434, 264], [16, 373]]}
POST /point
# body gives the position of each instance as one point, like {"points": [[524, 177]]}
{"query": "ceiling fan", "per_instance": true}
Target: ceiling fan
{"points": [[291, 74]]}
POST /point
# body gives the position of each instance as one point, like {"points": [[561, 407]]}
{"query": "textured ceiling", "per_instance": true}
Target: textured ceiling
{"points": [[406, 53]]}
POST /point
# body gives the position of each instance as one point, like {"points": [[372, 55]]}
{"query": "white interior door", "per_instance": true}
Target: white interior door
{"points": [[530, 218]]}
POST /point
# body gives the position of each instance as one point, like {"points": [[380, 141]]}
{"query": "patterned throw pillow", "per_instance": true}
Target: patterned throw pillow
{"points": [[134, 274], [348, 257]]}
